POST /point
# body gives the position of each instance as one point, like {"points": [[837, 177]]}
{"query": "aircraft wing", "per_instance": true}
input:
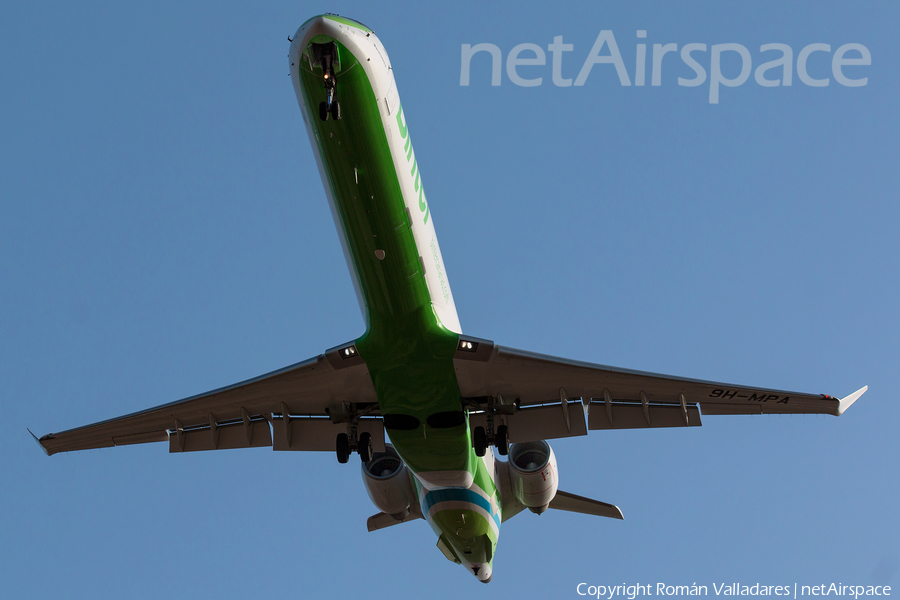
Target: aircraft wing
{"points": [[533, 394], [304, 406], [303, 402]]}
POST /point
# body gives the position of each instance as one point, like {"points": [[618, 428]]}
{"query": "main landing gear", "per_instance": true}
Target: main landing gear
{"points": [[493, 436], [501, 440], [363, 446], [353, 440]]}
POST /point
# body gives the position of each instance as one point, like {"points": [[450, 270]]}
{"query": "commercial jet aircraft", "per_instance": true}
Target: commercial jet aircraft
{"points": [[447, 401]]}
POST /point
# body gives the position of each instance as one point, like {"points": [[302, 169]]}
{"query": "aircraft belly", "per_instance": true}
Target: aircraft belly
{"points": [[387, 234], [372, 175], [365, 195]]}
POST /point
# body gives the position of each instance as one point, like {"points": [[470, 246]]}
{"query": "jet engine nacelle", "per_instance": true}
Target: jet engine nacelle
{"points": [[533, 475], [388, 483]]}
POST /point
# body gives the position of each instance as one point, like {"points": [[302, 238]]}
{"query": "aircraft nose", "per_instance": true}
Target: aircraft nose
{"points": [[316, 27], [482, 572], [327, 27]]}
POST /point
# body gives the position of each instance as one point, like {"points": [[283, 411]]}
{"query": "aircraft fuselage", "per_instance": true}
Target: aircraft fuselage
{"points": [[374, 186]]}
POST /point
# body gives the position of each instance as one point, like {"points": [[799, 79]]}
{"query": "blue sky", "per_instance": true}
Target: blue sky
{"points": [[164, 231]]}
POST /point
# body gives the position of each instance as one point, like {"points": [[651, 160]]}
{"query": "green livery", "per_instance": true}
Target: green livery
{"points": [[446, 400], [408, 350]]}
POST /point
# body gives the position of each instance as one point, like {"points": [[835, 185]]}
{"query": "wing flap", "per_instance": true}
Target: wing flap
{"points": [[633, 416], [254, 434], [318, 434], [540, 423]]}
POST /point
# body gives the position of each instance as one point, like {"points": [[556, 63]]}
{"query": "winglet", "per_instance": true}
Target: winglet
{"points": [[846, 401], [39, 442]]}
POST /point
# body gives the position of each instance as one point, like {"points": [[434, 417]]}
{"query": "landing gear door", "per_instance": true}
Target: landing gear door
{"points": [[324, 55], [392, 99]]}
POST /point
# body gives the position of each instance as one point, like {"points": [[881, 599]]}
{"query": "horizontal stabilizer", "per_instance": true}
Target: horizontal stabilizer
{"points": [[382, 520], [586, 506]]}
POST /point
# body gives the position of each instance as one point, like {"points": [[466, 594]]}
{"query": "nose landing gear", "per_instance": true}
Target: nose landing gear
{"points": [[330, 106], [334, 111]]}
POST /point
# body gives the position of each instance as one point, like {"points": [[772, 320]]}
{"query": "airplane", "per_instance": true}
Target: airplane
{"points": [[447, 401]]}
